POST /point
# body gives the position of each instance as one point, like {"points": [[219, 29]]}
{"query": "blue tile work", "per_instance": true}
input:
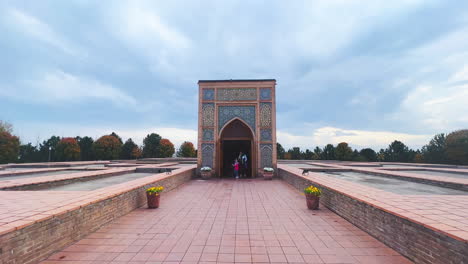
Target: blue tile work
{"points": [[266, 155], [237, 94], [208, 94], [265, 94], [208, 134], [207, 154], [245, 113], [265, 135], [208, 114], [265, 114]]}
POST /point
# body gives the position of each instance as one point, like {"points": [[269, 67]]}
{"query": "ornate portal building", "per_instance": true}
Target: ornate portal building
{"points": [[236, 116]]}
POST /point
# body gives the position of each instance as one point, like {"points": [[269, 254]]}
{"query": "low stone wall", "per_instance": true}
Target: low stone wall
{"points": [[415, 241], [37, 241]]}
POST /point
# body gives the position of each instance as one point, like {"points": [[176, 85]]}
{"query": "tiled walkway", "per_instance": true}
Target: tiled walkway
{"points": [[245, 221]]}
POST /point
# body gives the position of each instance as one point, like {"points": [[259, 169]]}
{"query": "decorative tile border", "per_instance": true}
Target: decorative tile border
{"points": [[237, 94], [265, 114], [208, 114]]}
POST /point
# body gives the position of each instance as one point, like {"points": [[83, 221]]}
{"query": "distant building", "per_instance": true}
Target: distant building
{"points": [[237, 116]]}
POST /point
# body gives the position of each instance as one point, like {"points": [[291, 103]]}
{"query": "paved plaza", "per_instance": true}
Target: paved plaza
{"points": [[228, 221]]}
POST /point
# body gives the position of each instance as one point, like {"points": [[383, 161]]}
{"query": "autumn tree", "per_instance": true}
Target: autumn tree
{"points": [[116, 136], [127, 149], [136, 153], [107, 148], [343, 152], [6, 127], [456, 147], [166, 148], [86, 147], [186, 150], [68, 150], [9, 147], [151, 145]]}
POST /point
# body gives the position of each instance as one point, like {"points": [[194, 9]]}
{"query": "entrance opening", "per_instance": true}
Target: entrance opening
{"points": [[231, 150], [235, 138]]}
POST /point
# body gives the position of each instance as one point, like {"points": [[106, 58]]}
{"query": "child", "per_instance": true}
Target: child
{"points": [[236, 168]]}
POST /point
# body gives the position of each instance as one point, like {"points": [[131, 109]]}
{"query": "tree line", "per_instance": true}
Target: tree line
{"points": [[107, 147], [443, 148], [449, 148]]}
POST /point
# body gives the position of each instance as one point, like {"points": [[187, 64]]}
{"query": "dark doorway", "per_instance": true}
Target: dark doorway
{"points": [[235, 137], [231, 150]]}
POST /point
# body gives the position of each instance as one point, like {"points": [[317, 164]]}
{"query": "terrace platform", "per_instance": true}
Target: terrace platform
{"points": [[429, 228], [228, 221]]}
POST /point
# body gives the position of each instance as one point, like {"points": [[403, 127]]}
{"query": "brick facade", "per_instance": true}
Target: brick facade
{"points": [[252, 102]]}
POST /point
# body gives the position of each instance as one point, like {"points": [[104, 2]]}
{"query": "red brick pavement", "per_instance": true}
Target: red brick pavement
{"points": [[227, 221]]}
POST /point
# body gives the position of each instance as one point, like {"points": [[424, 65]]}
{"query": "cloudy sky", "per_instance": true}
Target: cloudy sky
{"points": [[365, 72]]}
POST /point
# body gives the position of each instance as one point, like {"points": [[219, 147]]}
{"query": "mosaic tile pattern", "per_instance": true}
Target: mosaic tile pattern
{"points": [[237, 94], [265, 114], [208, 114], [265, 135], [245, 113], [207, 154], [208, 134], [208, 94], [266, 153], [265, 94]]}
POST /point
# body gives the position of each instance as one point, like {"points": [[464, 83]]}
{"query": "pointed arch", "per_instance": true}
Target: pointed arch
{"points": [[228, 123]]}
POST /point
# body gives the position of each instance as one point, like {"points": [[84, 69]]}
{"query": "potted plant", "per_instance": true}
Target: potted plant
{"points": [[268, 173], [312, 195], [153, 194], [206, 172]]}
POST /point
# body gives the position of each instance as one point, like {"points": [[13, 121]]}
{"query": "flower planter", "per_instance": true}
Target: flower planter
{"points": [[312, 201], [206, 175], [267, 175], [153, 200]]}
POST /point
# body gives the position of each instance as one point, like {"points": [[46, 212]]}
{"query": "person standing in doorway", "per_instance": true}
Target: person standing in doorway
{"points": [[244, 163], [241, 165], [236, 168]]}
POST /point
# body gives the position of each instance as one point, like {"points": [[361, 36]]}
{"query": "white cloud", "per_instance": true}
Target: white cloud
{"points": [[355, 138], [461, 75], [58, 87], [36, 28], [138, 25], [438, 106]]}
